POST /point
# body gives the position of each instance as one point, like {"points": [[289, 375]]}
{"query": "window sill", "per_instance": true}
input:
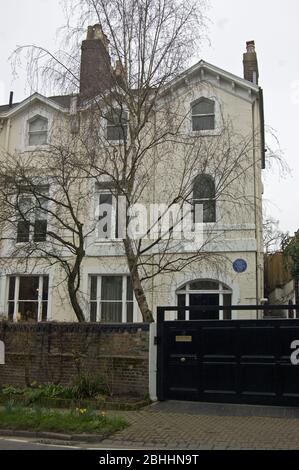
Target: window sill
{"points": [[30, 241], [206, 133], [34, 148], [105, 241], [115, 142]]}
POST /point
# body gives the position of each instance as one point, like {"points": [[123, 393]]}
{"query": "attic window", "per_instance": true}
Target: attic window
{"points": [[203, 115], [38, 131]]}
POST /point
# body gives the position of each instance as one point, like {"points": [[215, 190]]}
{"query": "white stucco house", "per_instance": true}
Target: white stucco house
{"points": [[207, 96]]}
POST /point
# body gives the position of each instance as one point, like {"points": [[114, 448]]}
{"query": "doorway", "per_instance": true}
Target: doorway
{"points": [[204, 293]]}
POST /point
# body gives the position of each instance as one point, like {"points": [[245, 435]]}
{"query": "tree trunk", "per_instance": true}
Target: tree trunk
{"points": [[136, 283], [74, 301]]}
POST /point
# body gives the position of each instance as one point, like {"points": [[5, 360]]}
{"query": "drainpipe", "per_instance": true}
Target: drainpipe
{"points": [[255, 207], [262, 120]]}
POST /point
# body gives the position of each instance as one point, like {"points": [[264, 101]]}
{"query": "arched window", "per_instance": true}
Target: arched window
{"points": [[203, 115], [204, 196], [38, 131], [117, 125]]}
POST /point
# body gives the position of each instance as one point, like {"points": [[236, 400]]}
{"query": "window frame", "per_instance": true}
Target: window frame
{"points": [[29, 133], [218, 120], [110, 125], [40, 300], [203, 99], [98, 301], [114, 221], [31, 221], [203, 200]]}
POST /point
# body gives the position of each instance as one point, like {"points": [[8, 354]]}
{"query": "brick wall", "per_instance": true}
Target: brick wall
{"points": [[57, 352]]}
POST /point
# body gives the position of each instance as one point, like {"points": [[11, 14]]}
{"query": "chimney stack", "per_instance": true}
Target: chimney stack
{"points": [[96, 72], [251, 70]]}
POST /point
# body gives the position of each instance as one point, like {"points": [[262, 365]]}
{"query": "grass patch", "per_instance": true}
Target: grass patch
{"points": [[74, 421]]}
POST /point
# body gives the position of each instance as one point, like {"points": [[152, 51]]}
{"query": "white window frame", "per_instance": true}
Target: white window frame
{"points": [[32, 119], [41, 111], [110, 239], [99, 300], [203, 114], [17, 293], [217, 112], [31, 220], [202, 200], [223, 290]]}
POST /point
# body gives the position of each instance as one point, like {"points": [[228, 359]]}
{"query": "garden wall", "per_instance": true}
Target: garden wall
{"points": [[57, 352]]}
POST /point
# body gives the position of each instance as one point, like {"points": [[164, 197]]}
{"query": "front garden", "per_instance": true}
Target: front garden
{"points": [[15, 417], [86, 391]]}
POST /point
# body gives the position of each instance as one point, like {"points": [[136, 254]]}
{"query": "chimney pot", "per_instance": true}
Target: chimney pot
{"points": [[96, 32], [250, 46]]}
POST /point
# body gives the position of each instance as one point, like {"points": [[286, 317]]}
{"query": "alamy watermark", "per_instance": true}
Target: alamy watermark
{"points": [[295, 354], [115, 220]]}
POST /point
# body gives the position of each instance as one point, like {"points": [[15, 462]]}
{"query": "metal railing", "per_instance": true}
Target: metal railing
{"points": [[292, 311]]}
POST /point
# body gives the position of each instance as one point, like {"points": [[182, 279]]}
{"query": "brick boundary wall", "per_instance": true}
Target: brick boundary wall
{"points": [[58, 352]]}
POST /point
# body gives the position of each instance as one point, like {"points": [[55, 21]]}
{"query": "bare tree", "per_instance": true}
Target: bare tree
{"points": [[44, 214], [274, 237], [131, 127]]}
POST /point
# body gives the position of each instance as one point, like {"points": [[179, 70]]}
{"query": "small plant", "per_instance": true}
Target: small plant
{"points": [[10, 390], [57, 391], [35, 392], [32, 395], [87, 386]]}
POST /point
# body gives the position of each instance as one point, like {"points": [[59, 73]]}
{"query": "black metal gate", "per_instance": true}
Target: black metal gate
{"points": [[232, 361]]}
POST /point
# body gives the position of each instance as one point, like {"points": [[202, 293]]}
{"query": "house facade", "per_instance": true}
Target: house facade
{"points": [[216, 105]]}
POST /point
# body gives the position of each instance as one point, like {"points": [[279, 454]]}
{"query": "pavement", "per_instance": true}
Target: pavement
{"points": [[177, 425], [191, 426]]}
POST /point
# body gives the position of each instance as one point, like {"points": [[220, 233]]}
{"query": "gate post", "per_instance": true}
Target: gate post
{"points": [[2, 353], [160, 355]]}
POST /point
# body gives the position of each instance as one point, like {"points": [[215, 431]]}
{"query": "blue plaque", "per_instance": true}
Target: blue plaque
{"points": [[240, 265]]}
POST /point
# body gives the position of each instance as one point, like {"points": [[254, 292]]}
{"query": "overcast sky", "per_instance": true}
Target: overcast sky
{"points": [[274, 27]]}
